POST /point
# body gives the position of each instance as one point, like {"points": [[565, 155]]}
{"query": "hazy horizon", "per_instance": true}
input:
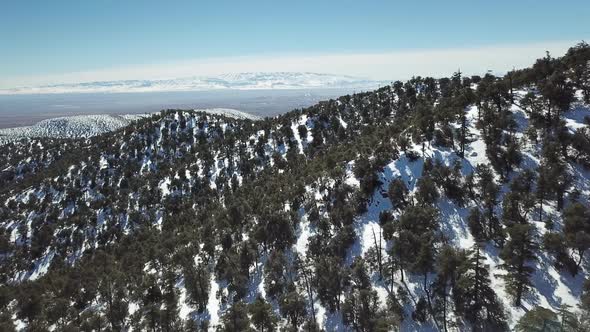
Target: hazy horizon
{"points": [[25, 110], [69, 41]]}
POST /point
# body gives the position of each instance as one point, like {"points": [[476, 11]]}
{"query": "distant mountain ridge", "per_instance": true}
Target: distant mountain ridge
{"points": [[84, 126], [238, 81]]}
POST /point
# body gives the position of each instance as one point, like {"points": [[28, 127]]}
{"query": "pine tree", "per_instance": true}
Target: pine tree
{"points": [[577, 229], [235, 319], [555, 243], [331, 280], [474, 296], [577, 59], [415, 230], [538, 319], [553, 177], [488, 193], [277, 276], [292, 306], [518, 251], [477, 225], [197, 284], [426, 194], [360, 309], [447, 264], [398, 193], [170, 320], [262, 315]]}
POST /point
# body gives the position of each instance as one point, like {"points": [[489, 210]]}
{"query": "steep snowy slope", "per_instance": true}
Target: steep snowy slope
{"points": [[552, 288]]}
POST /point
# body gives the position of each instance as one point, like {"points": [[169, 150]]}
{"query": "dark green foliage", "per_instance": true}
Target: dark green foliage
{"points": [[235, 319], [427, 193], [517, 254], [474, 296], [538, 319], [477, 224], [555, 244], [398, 193], [278, 278], [262, 315], [577, 229], [331, 280], [292, 306], [488, 190], [413, 245], [197, 284], [447, 271]]}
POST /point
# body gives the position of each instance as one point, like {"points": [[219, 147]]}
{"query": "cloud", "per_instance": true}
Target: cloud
{"points": [[394, 65]]}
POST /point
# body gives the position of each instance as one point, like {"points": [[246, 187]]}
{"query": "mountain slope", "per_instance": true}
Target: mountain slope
{"points": [[83, 126], [458, 204]]}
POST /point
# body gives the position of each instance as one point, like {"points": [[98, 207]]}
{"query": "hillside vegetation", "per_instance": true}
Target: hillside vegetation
{"points": [[449, 204]]}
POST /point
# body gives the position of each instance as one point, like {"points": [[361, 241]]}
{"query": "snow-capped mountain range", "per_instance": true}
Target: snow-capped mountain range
{"points": [[82, 126], [239, 81]]}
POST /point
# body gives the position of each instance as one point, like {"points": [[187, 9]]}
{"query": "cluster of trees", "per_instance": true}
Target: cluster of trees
{"points": [[122, 247]]}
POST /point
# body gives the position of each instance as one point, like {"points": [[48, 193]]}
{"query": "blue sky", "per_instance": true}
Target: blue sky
{"points": [[52, 38]]}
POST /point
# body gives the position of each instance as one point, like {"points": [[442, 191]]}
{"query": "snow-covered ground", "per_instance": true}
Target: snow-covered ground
{"points": [[77, 126], [229, 112], [551, 287], [82, 126]]}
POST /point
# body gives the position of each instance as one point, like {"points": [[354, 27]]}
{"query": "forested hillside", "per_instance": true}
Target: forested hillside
{"points": [[449, 204]]}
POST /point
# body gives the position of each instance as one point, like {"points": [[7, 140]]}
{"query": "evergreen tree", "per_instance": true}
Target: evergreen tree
{"points": [[360, 309], [518, 251], [415, 230], [556, 244], [262, 315], [331, 281], [197, 284], [477, 225], [170, 320], [398, 193], [447, 264], [426, 194], [538, 319], [292, 306], [474, 296], [235, 319], [277, 277], [488, 193], [577, 229]]}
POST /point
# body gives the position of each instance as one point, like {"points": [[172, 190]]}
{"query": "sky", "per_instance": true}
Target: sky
{"points": [[47, 42]]}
